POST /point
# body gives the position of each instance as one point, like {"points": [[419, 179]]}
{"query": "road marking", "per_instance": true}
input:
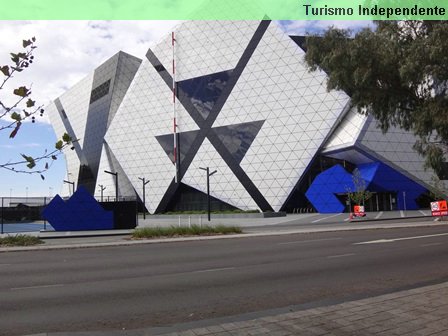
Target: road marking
{"points": [[423, 213], [380, 241], [401, 213], [321, 219], [36, 287], [347, 219], [341, 255], [379, 215], [214, 270], [307, 241], [430, 244], [5, 264]]}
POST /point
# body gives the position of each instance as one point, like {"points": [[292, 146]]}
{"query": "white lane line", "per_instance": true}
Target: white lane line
{"points": [[430, 244], [341, 255], [321, 219], [380, 241], [379, 215], [401, 213], [423, 213], [307, 241], [36, 287], [214, 270], [347, 219]]}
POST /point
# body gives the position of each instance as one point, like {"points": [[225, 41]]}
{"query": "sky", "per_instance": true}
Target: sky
{"points": [[66, 52]]}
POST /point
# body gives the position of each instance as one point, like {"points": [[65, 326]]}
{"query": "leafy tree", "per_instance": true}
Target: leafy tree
{"points": [[439, 189], [398, 72], [360, 194], [22, 108]]}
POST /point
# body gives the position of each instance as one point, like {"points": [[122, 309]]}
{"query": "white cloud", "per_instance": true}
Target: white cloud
{"points": [[304, 27], [24, 145]]}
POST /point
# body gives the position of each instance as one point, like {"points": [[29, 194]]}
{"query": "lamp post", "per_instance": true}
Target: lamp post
{"points": [[73, 185], [102, 187], [208, 188], [144, 183], [116, 183]]}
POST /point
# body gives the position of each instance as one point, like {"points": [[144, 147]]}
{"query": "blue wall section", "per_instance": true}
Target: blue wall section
{"points": [[379, 178], [80, 212], [322, 191]]}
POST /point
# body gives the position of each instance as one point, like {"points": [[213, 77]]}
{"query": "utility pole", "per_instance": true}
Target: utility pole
{"points": [[144, 182], [73, 185], [102, 187], [208, 188], [116, 183]]}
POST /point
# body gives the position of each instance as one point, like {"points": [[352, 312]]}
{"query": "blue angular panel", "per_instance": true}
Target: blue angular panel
{"points": [[80, 212], [379, 178], [322, 191]]}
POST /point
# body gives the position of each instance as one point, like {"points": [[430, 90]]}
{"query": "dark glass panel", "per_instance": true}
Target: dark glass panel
{"points": [[204, 91], [185, 140], [238, 138], [100, 91]]}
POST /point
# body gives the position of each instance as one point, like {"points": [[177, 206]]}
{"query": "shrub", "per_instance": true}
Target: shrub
{"points": [[193, 230], [20, 240]]}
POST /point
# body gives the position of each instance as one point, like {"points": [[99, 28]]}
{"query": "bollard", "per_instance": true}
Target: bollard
{"points": [[2, 231], [200, 221], [189, 221], [45, 221], [179, 221]]}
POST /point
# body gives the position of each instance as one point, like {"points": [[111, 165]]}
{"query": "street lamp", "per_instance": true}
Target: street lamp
{"points": [[73, 185], [208, 188], [116, 183], [102, 187], [144, 182]]}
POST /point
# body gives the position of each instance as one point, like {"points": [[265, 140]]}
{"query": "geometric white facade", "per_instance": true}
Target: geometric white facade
{"points": [[246, 106], [264, 84], [86, 111]]}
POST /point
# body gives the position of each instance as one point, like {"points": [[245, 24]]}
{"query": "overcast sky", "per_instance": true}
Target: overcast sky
{"points": [[67, 51]]}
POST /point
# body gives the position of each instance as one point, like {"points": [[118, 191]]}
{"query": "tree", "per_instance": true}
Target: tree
{"points": [[397, 72], [22, 108], [438, 190], [359, 195]]}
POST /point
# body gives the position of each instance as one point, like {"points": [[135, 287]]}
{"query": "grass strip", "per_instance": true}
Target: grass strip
{"points": [[179, 231], [20, 240]]}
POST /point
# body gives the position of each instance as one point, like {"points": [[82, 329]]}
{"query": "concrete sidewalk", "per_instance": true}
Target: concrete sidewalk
{"points": [[420, 312]]}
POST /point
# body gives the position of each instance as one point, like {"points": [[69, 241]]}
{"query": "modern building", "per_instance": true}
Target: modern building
{"points": [[245, 105]]}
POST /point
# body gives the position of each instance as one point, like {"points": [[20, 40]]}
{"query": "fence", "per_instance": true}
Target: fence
{"points": [[24, 214]]}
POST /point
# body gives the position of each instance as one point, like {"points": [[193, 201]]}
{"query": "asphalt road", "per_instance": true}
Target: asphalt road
{"points": [[153, 285]]}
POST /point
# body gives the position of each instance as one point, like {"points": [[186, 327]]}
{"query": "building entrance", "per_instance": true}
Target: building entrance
{"points": [[380, 201]]}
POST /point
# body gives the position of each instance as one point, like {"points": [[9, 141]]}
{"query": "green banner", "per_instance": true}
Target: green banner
{"points": [[223, 10]]}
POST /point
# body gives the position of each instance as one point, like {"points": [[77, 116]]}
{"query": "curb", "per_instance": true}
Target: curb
{"points": [[199, 238]]}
